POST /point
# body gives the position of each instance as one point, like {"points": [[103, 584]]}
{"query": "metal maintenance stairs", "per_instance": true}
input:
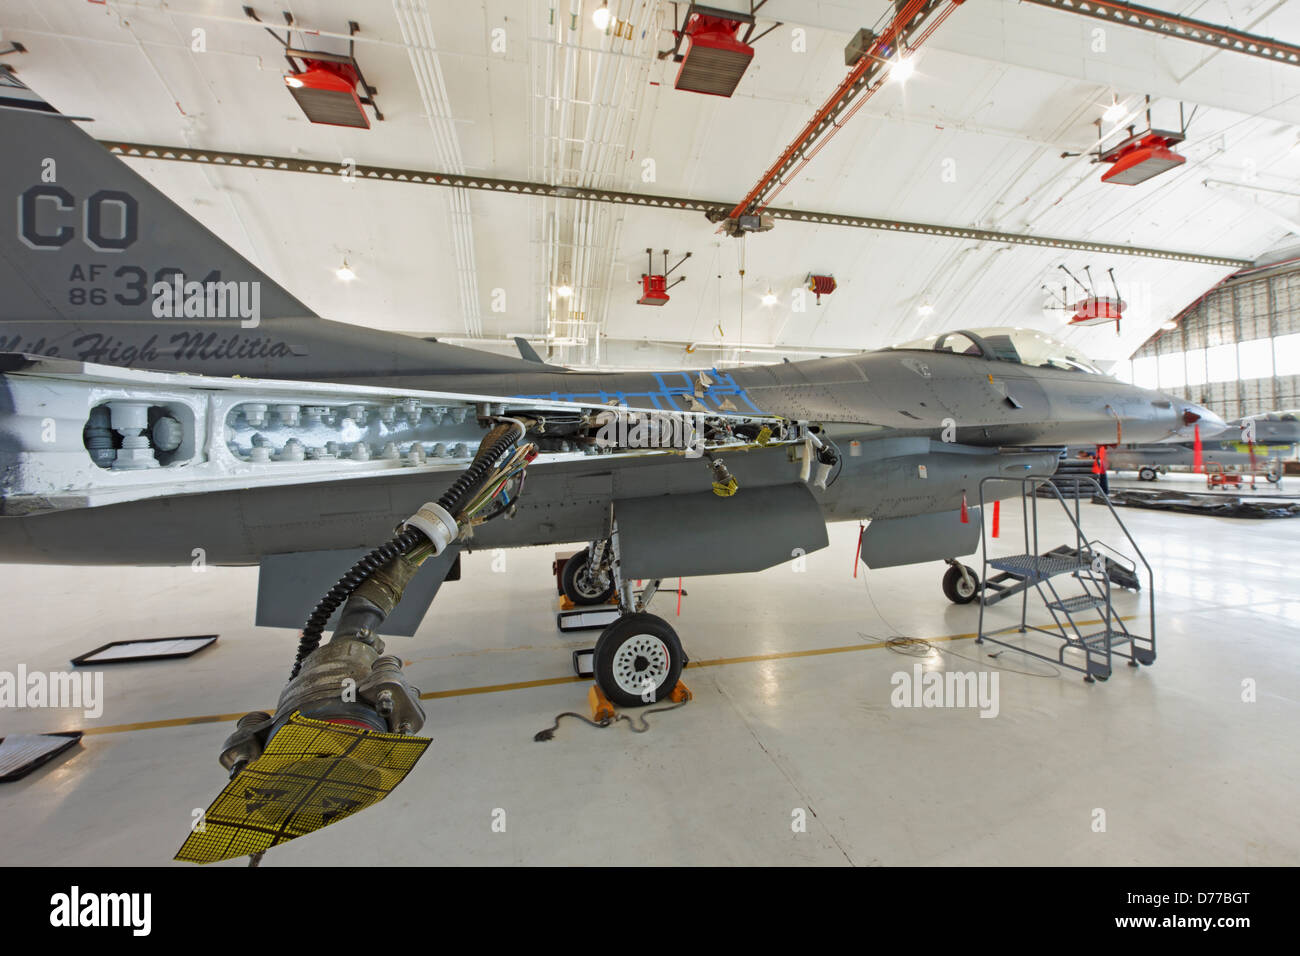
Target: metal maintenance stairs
{"points": [[1098, 571]]}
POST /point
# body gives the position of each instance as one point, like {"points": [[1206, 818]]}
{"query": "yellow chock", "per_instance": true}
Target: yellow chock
{"points": [[567, 605], [601, 708], [681, 693]]}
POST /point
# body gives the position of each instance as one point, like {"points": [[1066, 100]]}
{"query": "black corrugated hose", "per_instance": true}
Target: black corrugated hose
{"points": [[453, 500]]}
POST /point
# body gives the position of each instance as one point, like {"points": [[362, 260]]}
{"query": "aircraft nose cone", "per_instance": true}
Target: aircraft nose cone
{"points": [[1198, 416]]}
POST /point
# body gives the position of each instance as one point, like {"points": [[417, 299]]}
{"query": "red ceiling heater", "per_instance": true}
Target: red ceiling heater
{"points": [[1098, 310], [1091, 308], [1139, 156], [329, 87], [655, 286], [712, 57], [715, 59], [327, 93]]}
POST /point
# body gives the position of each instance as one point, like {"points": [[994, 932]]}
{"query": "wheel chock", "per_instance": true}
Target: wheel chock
{"points": [[568, 605], [601, 707], [681, 693]]}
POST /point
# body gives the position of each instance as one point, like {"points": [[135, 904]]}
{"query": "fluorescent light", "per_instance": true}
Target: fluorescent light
{"points": [[601, 17], [292, 81], [1115, 112], [901, 68], [925, 308], [345, 272], [1169, 326], [769, 297], [564, 291]]}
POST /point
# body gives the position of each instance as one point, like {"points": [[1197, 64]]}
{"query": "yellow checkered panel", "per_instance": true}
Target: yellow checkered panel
{"points": [[313, 773]]}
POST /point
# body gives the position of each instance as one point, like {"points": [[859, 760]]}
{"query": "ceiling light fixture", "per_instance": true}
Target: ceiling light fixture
{"points": [[564, 291], [1115, 112], [925, 308], [901, 68], [1169, 326], [345, 272], [769, 297], [602, 16]]}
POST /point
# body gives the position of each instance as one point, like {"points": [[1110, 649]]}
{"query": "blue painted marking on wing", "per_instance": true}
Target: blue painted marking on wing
{"points": [[672, 397]]}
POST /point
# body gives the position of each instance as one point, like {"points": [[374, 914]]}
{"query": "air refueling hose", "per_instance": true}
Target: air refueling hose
{"points": [[453, 501]]}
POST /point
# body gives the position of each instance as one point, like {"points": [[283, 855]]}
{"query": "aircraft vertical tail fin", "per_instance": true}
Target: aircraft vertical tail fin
{"points": [[98, 265], [90, 237]]}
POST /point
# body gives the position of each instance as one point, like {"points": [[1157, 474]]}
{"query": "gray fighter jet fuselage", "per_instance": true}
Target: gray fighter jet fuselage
{"points": [[92, 271]]}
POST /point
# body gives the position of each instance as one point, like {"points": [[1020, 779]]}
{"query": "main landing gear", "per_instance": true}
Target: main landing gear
{"points": [[587, 578], [638, 657]]}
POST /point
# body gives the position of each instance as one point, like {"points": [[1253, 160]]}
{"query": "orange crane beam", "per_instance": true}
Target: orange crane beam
{"points": [[902, 33]]}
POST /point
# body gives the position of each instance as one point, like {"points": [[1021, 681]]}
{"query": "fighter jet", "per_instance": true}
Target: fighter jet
{"points": [[163, 401], [1256, 442]]}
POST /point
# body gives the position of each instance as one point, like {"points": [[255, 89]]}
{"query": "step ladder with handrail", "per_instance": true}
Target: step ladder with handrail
{"points": [[1071, 581]]}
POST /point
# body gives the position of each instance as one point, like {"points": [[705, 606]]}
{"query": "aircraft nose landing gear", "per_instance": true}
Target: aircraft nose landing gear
{"points": [[960, 583]]}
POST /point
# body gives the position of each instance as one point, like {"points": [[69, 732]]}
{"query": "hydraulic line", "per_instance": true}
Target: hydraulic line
{"points": [[455, 499]]}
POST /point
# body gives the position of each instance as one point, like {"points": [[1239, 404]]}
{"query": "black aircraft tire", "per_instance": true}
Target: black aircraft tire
{"points": [[638, 660], [1147, 474], [955, 588], [584, 594]]}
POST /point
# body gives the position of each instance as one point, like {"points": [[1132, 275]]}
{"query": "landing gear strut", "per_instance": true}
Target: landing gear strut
{"points": [[638, 658]]}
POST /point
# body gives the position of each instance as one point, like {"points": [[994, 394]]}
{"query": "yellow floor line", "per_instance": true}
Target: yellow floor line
{"points": [[551, 681]]}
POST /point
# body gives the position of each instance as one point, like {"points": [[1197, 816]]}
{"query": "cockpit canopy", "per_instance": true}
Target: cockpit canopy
{"points": [[1284, 415], [1022, 346]]}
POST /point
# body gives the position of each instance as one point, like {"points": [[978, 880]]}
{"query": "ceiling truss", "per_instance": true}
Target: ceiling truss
{"points": [[713, 208]]}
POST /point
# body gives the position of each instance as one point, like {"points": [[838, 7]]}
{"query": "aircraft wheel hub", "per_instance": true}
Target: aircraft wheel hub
{"points": [[591, 585], [641, 663]]}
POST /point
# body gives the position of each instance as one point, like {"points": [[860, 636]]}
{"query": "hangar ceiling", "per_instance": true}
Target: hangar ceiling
{"points": [[531, 90]]}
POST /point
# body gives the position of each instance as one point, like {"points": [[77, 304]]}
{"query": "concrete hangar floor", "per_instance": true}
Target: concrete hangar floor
{"points": [[792, 677]]}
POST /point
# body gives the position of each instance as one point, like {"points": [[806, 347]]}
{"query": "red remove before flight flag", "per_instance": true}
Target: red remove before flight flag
{"points": [[997, 516], [965, 516], [858, 551], [1197, 464]]}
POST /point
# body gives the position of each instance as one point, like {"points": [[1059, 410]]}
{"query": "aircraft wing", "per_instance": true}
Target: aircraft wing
{"points": [[78, 435]]}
